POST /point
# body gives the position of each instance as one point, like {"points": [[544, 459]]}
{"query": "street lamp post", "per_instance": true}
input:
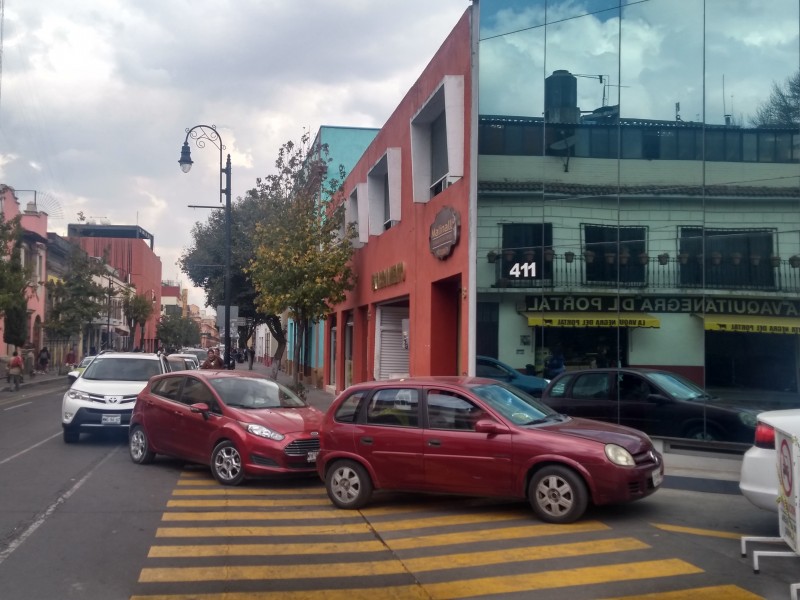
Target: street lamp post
{"points": [[202, 134]]}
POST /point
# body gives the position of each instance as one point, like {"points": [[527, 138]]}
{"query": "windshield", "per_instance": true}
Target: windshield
{"points": [[255, 393], [516, 406], [121, 369], [678, 387]]}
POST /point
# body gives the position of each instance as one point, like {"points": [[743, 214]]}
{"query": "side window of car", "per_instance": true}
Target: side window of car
{"points": [[633, 388], [448, 410], [396, 406], [559, 389], [195, 392], [591, 385], [169, 387], [348, 409], [489, 370]]}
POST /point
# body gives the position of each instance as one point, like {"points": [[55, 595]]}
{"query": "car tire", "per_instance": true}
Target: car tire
{"points": [[348, 484], [558, 494], [139, 446], [226, 464], [71, 436]]}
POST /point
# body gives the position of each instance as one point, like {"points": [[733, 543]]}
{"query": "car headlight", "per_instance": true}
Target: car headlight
{"points": [[748, 419], [264, 432], [619, 456], [77, 395]]}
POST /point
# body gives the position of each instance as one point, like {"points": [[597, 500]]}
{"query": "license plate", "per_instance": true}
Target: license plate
{"points": [[312, 456], [111, 420], [657, 477]]}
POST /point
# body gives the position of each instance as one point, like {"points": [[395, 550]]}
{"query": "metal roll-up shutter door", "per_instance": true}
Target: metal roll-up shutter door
{"points": [[392, 357]]}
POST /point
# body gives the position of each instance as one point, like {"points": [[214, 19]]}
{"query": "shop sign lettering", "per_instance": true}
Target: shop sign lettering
{"points": [[672, 304], [391, 276]]}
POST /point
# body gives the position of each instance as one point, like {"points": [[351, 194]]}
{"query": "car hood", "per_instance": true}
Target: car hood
{"points": [[283, 420], [633, 440], [108, 387]]}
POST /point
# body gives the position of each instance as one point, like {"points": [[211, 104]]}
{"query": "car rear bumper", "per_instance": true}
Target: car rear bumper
{"points": [[758, 480]]}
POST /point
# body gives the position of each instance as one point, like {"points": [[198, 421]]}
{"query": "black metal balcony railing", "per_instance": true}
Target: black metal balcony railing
{"points": [[570, 269]]}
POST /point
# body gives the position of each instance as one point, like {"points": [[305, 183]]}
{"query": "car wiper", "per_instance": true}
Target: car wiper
{"points": [[556, 417]]}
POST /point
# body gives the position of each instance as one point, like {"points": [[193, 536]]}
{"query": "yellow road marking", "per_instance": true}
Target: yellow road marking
{"points": [[474, 559], [524, 509], [263, 549], [504, 533], [255, 516], [270, 572], [227, 491], [728, 592], [694, 531], [507, 584], [182, 532], [462, 519], [223, 502], [403, 592]]}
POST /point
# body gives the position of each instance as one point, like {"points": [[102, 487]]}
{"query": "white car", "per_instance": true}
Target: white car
{"points": [[102, 397], [758, 481]]}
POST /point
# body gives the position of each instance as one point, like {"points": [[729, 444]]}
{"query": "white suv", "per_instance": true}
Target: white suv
{"points": [[104, 394]]}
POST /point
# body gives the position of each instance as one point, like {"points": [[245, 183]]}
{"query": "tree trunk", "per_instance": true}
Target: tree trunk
{"points": [[300, 334], [274, 326]]}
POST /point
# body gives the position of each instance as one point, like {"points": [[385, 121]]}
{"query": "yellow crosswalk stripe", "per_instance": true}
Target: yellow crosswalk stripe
{"points": [[695, 531], [476, 559], [507, 584], [442, 521], [206, 550], [728, 592], [341, 529], [223, 502], [402, 592], [228, 491], [255, 516]]}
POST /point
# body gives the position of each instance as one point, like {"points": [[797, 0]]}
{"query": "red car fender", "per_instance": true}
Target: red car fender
{"points": [[553, 459], [328, 459], [231, 431]]}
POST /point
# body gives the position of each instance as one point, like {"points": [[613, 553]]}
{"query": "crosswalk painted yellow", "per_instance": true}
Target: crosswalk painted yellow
{"points": [[288, 542]]}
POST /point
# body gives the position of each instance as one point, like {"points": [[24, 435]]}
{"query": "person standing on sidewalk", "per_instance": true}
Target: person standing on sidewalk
{"points": [[15, 369], [251, 355]]}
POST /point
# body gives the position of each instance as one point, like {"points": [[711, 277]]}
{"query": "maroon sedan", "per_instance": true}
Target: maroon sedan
{"points": [[240, 423], [479, 437]]}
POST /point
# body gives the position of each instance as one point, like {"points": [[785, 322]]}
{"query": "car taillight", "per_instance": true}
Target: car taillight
{"points": [[765, 436]]}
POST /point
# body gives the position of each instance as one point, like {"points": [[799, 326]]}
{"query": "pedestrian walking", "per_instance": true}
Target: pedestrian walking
{"points": [[213, 361], [251, 354], [15, 369], [44, 359]]}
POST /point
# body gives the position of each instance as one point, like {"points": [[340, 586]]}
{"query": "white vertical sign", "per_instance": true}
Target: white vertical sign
{"points": [[788, 464]]}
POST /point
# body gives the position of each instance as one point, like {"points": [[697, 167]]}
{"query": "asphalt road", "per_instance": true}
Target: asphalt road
{"points": [[82, 521]]}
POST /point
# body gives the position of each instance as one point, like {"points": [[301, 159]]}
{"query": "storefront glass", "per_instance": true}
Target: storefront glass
{"points": [[639, 202]]}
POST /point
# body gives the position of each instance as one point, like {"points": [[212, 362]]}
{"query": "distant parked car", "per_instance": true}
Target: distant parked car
{"points": [[758, 481], [659, 403], [492, 368], [478, 437], [200, 353], [239, 424], [76, 372], [181, 362]]}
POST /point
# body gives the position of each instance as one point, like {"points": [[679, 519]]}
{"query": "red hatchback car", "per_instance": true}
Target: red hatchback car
{"points": [[239, 423], [479, 437]]}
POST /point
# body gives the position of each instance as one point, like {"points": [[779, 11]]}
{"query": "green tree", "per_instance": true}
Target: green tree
{"points": [[782, 109], [203, 262], [302, 260], [137, 310], [14, 283], [175, 331], [77, 299]]}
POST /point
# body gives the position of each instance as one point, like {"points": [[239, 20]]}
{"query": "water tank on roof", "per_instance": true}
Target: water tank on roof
{"points": [[561, 98]]}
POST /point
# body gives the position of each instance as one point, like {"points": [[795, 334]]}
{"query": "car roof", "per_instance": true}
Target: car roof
{"points": [[147, 355], [462, 381], [209, 373]]}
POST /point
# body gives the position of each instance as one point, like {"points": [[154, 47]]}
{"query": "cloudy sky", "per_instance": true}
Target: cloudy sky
{"points": [[96, 96]]}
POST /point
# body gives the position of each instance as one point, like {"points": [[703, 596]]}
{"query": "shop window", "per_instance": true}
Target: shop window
{"points": [[614, 253], [383, 189], [437, 140], [726, 258]]}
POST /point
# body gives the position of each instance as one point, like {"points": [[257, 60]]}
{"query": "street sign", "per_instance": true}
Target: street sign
{"points": [[788, 465]]}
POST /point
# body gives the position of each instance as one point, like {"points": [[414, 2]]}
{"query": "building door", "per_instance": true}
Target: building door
{"points": [[391, 348]]}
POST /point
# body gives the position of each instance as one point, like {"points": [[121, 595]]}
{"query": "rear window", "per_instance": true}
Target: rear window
{"points": [[121, 369]]}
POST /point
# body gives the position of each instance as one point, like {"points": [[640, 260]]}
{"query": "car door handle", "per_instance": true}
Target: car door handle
{"points": [[366, 440], [436, 443]]}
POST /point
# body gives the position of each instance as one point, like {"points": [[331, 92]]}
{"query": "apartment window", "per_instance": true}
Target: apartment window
{"points": [[356, 211], [614, 254], [527, 244], [437, 140], [383, 189], [726, 258]]}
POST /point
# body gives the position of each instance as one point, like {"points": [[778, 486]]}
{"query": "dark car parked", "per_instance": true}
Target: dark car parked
{"points": [[478, 437], [659, 403], [486, 366]]}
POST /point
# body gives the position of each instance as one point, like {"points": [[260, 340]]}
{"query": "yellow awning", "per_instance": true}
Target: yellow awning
{"points": [[590, 319], [751, 324]]}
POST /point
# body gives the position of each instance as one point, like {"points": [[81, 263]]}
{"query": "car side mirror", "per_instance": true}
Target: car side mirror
{"points": [[200, 407], [489, 426]]}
